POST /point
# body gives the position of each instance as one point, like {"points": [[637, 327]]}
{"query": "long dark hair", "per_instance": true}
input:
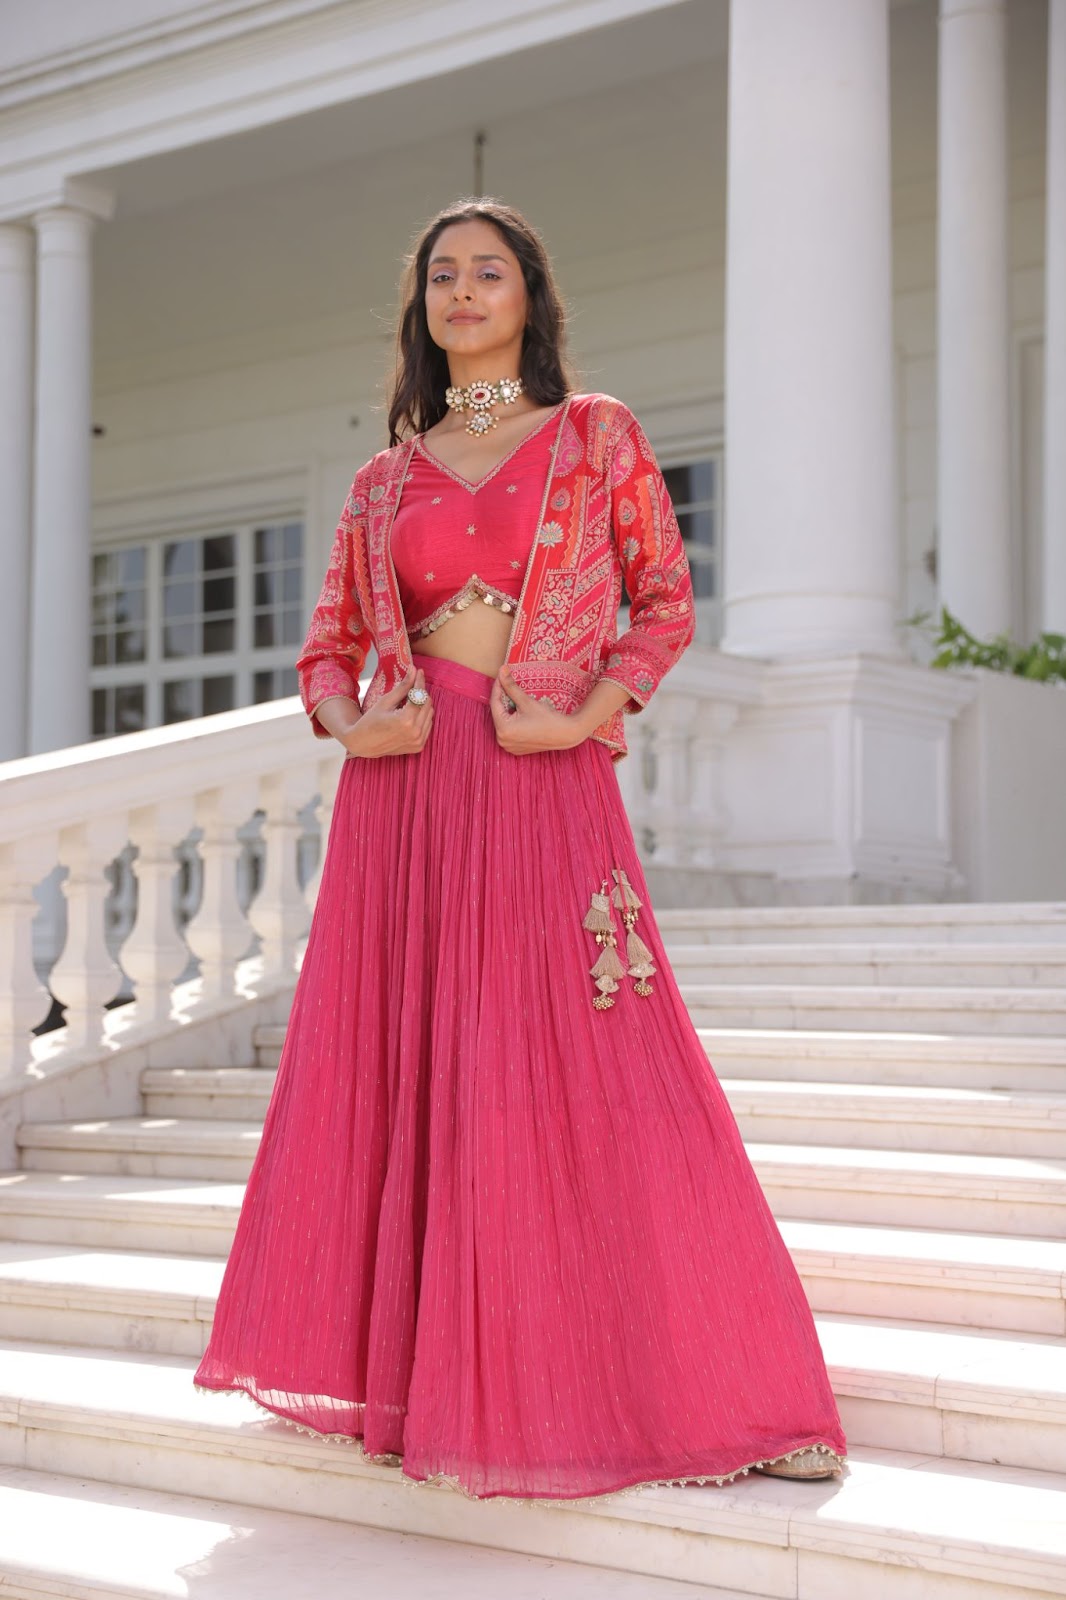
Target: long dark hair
{"points": [[416, 392]]}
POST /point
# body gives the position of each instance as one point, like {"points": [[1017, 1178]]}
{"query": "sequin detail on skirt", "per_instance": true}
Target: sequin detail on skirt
{"points": [[509, 1239]]}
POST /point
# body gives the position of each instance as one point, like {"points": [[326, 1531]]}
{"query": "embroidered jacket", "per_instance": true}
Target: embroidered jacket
{"points": [[605, 516]]}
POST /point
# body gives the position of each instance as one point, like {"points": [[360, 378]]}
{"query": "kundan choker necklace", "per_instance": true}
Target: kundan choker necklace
{"points": [[477, 398]]}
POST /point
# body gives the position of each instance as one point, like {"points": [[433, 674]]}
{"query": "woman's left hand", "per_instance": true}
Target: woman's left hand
{"points": [[534, 724]]}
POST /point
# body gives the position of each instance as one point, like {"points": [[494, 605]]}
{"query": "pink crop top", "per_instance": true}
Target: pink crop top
{"points": [[454, 542]]}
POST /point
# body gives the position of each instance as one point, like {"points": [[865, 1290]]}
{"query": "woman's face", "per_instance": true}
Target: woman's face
{"points": [[476, 298]]}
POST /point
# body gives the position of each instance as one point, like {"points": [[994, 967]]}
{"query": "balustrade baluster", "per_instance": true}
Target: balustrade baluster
{"points": [[329, 774], [220, 934], [86, 975], [670, 804], [710, 816], [23, 997], [278, 912], [155, 953]]}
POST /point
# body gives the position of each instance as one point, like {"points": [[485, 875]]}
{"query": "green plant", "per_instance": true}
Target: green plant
{"points": [[956, 646]]}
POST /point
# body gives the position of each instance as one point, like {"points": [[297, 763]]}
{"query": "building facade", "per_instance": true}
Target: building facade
{"points": [[832, 234]]}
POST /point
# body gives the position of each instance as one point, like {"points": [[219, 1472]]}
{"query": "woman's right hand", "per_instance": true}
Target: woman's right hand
{"points": [[389, 728]]}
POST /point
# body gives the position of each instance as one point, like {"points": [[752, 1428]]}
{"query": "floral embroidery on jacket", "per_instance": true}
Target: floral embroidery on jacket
{"points": [[613, 523]]}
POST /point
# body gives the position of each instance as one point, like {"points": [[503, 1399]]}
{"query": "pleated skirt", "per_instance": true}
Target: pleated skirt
{"points": [[506, 1240]]}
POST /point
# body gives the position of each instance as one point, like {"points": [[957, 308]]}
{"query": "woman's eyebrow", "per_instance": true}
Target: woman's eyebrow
{"points": [[451, 259]]}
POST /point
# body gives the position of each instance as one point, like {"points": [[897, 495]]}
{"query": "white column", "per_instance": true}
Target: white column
{"points": [[810, 562], [973, 371], [62, 484], [1054, 618], [16, 480]]}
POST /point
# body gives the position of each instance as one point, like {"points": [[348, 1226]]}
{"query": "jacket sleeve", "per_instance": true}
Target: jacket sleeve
{"points": [[658, 581], [338, 640]]}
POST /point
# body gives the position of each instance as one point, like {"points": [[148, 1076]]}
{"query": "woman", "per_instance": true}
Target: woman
{"points": [[501, 1226]]}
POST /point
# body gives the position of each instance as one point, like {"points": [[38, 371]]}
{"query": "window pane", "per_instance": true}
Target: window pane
{"points": [[180, 639], [704, 480], [103, 609], [179, 600], [129, 708], [678, 481], [218, 552], [293, 542], [699, 527], [271, 685], [133, 564], [218, 695], [264, 588], [291, 629], [179, 558], [264, 630], [129, 645], [103, 569], [101, 645], [219, 594], [266, 546], [292, 585], [129, 605], [219, 636], [180, 700], [100, 726]]}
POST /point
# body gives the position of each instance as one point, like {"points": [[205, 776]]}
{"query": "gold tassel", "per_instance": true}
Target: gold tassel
{"points": [[598, 915], [610, 962], [640, 957], [608, 968], [623, 893]]}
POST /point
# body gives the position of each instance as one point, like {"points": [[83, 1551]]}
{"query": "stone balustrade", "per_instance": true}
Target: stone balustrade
{"points": [[159, 876]]}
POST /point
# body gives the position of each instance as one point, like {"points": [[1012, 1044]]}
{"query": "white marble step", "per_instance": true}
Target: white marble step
{"points": [[902, 1385], [82, 1540], [113, 1211], [1004, 922], [1023, 966], [850, 1055], [975, 1280], [160, 1147], [915, 1008], [964, 1061], [898, 1526], [970, 1280], [215, 1092], [121, 1299], [989, 1121], [996, 1194], [891, 1116], [914, 1188]]}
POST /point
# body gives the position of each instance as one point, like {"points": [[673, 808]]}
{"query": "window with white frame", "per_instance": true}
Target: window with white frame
{"points": [[695, 488], [192, 623]]}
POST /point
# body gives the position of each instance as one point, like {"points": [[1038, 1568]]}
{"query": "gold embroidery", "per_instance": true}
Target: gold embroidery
{"points": [[393, 1459]]}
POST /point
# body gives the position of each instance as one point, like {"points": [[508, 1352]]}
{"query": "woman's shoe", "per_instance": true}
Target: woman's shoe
{"points": [[809, 1463]]}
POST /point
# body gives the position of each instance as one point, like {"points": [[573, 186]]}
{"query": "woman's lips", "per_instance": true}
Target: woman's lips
{"points": [[466, 316]]}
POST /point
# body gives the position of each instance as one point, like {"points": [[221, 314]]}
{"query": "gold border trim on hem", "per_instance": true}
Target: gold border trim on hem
{"points": [[449, 1480]]}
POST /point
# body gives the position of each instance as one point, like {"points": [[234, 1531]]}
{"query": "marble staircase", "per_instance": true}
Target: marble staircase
{"points": [[899, 1075]]}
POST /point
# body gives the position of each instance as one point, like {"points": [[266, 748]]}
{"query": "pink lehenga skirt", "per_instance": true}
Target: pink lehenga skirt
{"points": [[493, 1231]]}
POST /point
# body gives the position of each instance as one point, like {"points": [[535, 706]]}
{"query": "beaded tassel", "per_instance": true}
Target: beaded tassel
{"points": [[637, 953], [608, 968]]}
